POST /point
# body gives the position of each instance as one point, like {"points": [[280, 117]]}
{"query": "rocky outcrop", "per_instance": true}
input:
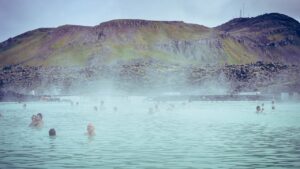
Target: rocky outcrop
{"points": [[152, 76]]}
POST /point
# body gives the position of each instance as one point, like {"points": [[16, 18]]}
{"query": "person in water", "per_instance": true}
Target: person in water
{"points": [[101, 105], [39, 116], [258, 109], [156, 107], [33, 121], [52, 132], [40, 119], [273, 105], [150, 111], [90, 129], [36, 120]]}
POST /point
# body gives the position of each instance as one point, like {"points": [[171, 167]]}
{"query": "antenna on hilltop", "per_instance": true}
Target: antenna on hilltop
{"points": [[243, 9]]}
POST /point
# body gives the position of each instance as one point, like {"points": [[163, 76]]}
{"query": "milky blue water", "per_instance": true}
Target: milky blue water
{"points": [[190, 135]]}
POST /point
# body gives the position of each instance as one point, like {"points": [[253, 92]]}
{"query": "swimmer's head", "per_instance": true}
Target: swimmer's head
{"points": [[258, 108], [40, 116], [52, 132]]}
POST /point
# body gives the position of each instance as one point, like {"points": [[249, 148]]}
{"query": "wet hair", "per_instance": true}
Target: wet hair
{"points": [[40, 114], [52, 132]]}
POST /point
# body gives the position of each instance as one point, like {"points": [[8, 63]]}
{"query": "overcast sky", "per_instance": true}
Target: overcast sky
{"points": [[19, 16]]}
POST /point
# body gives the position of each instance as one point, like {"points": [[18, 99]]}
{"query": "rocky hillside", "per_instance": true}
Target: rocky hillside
{"points": [[269, 38], [150, 77]]}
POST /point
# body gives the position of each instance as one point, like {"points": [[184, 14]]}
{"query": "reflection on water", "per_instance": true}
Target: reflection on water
{"points": [[185, 135]]}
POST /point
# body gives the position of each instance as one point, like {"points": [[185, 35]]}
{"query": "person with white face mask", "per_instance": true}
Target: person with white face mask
{"points": [[90, 129]]}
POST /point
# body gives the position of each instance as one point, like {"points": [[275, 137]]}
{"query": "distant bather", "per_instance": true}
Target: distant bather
{"points": [[150, 111], [52, 132], [90, 129], [273, 105], [258, 109]]}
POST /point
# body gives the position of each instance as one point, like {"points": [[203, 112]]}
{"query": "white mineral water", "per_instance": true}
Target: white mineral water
{"points": [[171, 135]]}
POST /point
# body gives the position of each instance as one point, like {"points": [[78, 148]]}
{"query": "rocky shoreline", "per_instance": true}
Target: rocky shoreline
{"points": [[151, 76]]}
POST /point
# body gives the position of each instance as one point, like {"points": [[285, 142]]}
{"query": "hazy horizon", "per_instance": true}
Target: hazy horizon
{"points": [[19, 16]]}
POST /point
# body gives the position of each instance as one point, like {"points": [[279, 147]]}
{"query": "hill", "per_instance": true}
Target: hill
{"points": [[270, 38]]}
